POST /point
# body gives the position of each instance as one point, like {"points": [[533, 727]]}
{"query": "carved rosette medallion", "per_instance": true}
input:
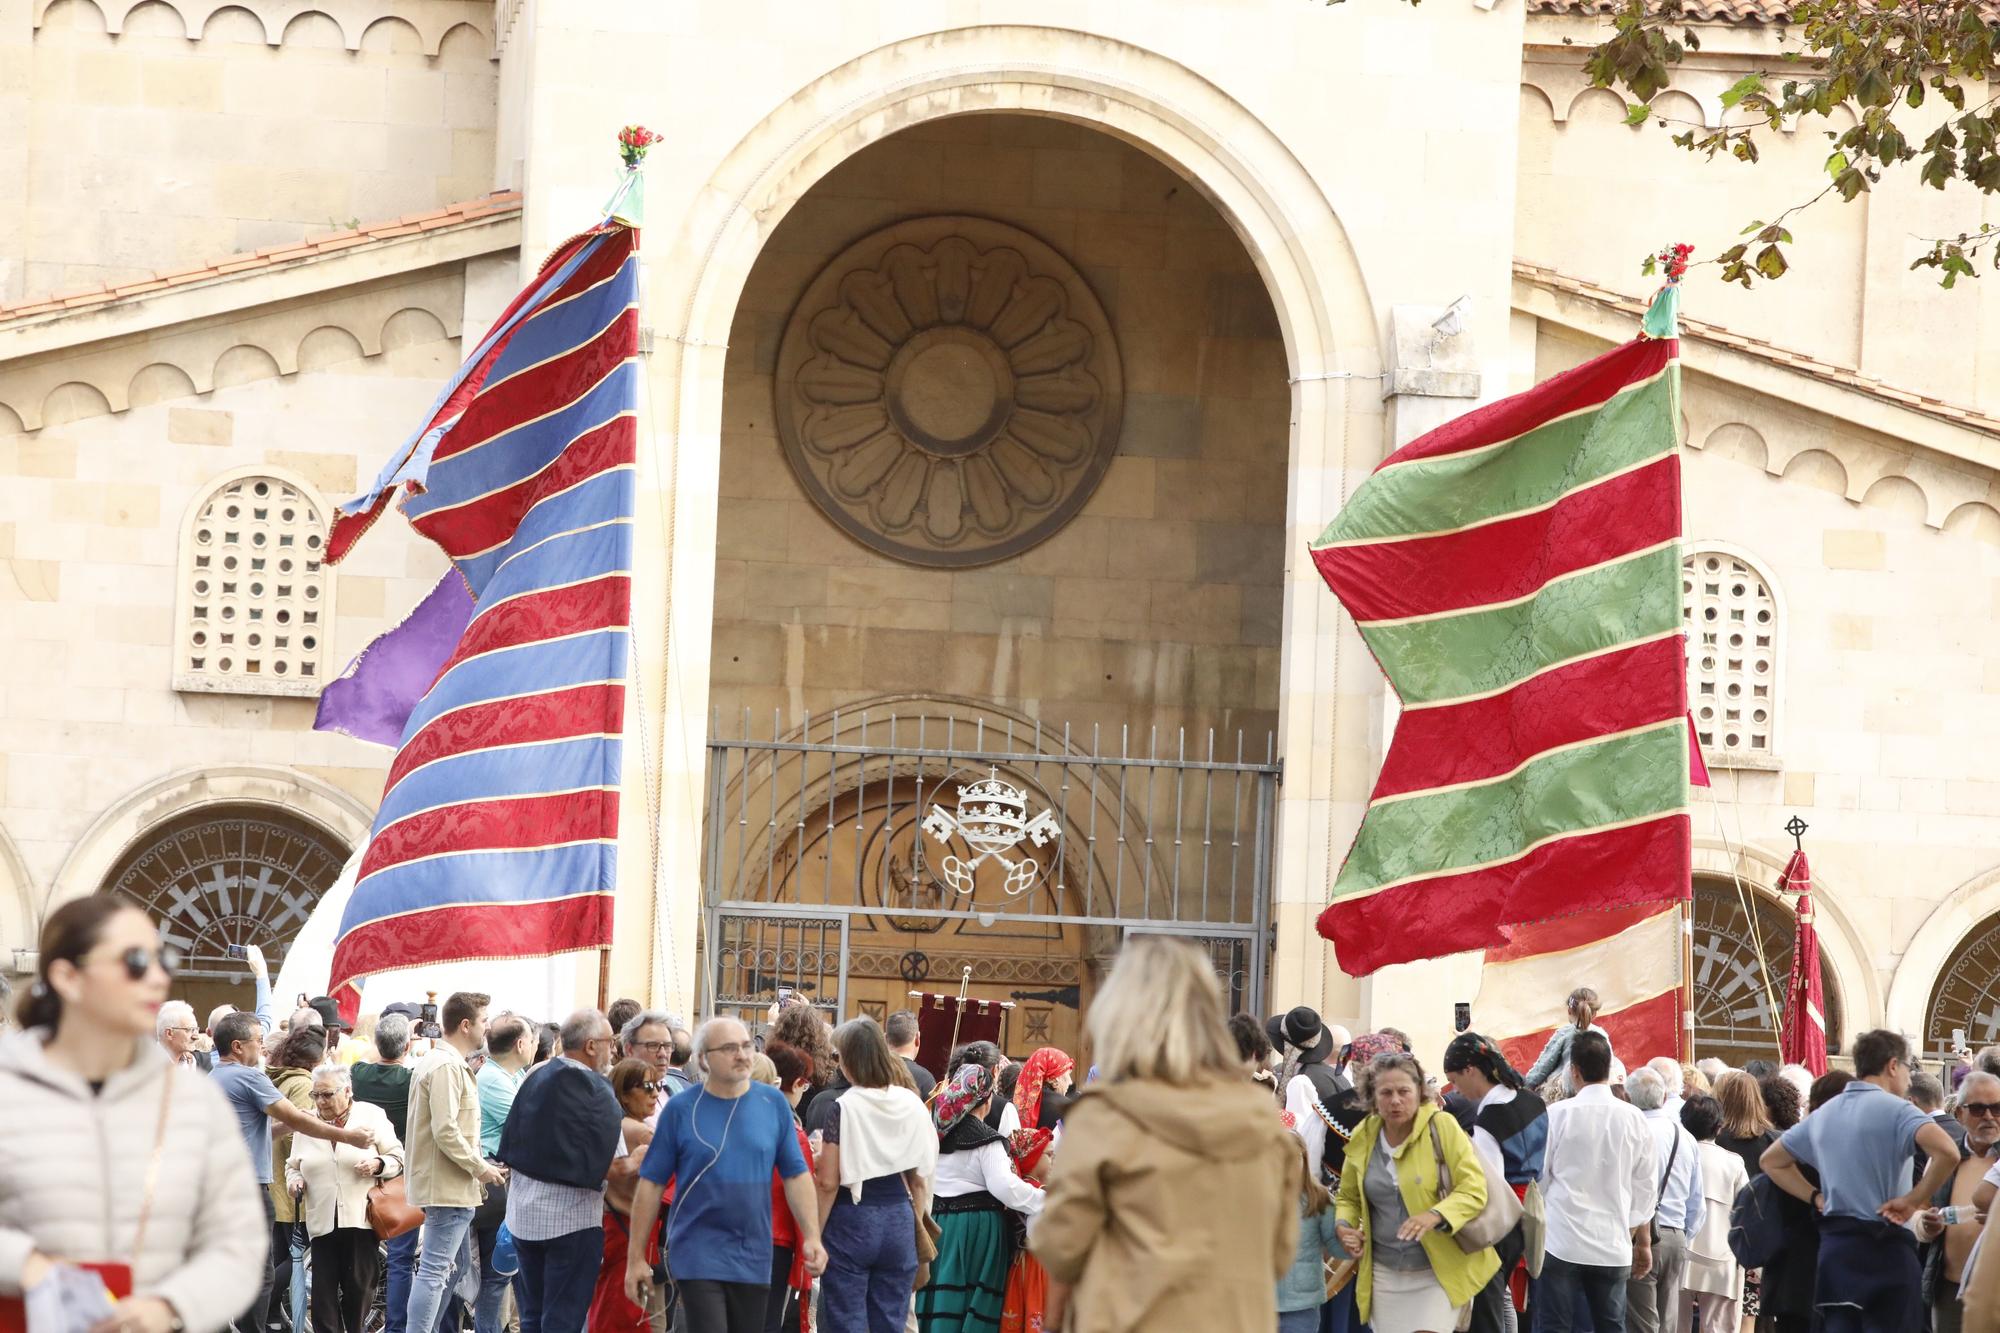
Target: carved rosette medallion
{"points": [[949, 391]]}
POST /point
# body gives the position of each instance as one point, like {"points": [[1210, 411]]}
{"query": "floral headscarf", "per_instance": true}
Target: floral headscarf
{"points": [[970, 1086], [1364, 1048], [1044, 1065]]}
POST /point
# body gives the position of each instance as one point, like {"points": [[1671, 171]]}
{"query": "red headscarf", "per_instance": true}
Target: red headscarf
{"points": [[1045, 1064]]}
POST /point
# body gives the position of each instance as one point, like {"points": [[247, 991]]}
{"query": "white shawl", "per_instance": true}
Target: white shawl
{"points": [[884, 1132]]}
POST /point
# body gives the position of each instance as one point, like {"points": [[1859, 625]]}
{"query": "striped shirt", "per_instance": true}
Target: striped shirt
{"points": [[546, 1209]]}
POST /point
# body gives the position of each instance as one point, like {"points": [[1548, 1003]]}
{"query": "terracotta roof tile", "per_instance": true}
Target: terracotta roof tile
{"points": [[1708, 11], [492, 205], [1702, 331]]}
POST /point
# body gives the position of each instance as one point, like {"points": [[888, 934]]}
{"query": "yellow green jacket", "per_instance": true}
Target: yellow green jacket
{"points": [[1460, 1274]]}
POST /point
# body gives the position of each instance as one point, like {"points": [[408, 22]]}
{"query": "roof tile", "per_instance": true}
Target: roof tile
{"points": [[491, 205]]}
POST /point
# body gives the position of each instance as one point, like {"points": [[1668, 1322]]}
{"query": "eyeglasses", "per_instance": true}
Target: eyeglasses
{"points": [[733, 1048], [185, 1031], [1981, 1108], [648, 1087], [324, 1094], [654, 1046], [138, 960]]}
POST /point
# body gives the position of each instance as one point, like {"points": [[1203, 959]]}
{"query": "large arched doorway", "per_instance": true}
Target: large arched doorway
{"points": [[1739, 992], [1965, 998], [1007, 425], [226, 877]]}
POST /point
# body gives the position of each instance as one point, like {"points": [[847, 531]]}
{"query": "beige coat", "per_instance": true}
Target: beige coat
{"points": [[442, 1142], [1171, 1207], [335, 1196], [73, 1169]]}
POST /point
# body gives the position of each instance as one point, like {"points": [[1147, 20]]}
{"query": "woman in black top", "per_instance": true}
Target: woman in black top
{"points": [[1746, 1121]]}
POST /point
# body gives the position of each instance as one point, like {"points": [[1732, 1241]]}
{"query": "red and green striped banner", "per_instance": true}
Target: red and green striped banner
{"points": [[1517, 575]]}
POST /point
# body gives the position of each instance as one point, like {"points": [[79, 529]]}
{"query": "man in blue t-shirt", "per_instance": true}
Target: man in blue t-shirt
{"points": [[1861, 1143], [718, 1142], [239, 1073]]}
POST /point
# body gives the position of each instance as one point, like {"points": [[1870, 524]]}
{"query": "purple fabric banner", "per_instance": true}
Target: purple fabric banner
{"points": [[372, 699]]}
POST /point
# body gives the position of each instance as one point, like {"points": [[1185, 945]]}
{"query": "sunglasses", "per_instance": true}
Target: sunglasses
{"points": [[1981, 1108], [649, 1087], [138, 960]]}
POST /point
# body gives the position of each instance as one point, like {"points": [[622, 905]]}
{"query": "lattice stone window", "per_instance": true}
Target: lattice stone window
{"points": [[255, 600], [1732, 621]]}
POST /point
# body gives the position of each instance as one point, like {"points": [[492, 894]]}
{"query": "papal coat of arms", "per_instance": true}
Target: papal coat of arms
{"points": [[991, 819]]}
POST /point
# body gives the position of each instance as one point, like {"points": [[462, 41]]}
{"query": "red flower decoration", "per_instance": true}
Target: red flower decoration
{"points": [[633, 141]]}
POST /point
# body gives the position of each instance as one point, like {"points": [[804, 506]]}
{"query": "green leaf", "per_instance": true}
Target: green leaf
{"points": [[1742, 88], [1755, 226], [1836, 163], [1636, 113], [1771, 262], [1650, 267], [1850, 183]]}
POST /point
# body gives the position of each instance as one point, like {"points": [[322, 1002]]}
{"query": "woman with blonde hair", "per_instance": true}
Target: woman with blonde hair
{"points": [[1582, 1007], [1391, 1214], [1173, 1200]]}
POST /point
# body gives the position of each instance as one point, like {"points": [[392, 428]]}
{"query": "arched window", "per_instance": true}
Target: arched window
{"points": [[1732, 621], [228, 875], [254, 599], [1734, 1018], [1966, 995]]}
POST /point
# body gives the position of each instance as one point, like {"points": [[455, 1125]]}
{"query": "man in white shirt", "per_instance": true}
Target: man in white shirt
{"points": [[1655, 1299], [1673, 1079], [1600, 1180]]}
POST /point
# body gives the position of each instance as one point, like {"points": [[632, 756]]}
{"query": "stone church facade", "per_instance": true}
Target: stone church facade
{"points": [[997, 373]]}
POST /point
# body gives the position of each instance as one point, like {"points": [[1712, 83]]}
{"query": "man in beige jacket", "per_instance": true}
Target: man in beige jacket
{"points": [[446, 1173]]}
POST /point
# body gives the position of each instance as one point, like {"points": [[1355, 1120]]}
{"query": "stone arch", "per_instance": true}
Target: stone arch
{"points": [[158, 382], [1740, 442], [71, 401], [410, 327], [235, 23], [1281, 215], [1596, 104], [68, 16], [1678, 104], [1818, 469], [468, 36], [1930, 950], [242, 364], [314, 29], [155, 18], [1840, 942], [20, 921], [328, 345], [391, 35], [1534, 96], [190, 790], [1975, 520], [1899, 496]]}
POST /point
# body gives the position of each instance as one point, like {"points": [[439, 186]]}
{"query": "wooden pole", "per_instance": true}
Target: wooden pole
{"points": [[1687, 978], [604, 977]]}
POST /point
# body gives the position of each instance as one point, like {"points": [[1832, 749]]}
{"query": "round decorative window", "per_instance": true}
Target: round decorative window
{"points": [[949, 391]]}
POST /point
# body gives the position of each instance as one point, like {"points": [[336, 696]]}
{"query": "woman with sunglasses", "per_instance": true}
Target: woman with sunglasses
{"points": [[637, 1087], [111, 1159]]}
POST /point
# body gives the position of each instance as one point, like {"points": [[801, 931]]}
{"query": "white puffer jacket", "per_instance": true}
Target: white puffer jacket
{"points": [[73, 1171]]}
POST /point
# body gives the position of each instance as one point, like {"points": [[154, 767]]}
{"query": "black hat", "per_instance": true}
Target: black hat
{"points": [[329, 1014], [1274, 1028], [405, 1008], [1303, 1029]]}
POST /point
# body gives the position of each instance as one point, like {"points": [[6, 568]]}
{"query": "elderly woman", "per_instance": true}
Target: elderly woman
{"points": [[331, 1182], [1173, 1198], [1413, 1277]]}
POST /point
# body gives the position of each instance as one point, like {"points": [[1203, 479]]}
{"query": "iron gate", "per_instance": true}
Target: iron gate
{"points": [[864, 853]]}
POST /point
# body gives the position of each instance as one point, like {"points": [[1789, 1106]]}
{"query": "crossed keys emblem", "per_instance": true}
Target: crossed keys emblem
{"points": [[992, 819]]}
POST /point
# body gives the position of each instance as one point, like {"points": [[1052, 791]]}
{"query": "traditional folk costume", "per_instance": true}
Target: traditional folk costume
{"points": [[975, 1189], [1041, 1108]]}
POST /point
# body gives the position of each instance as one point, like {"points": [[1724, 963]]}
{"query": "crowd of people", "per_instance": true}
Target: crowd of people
{"points": [[623, 1171]]}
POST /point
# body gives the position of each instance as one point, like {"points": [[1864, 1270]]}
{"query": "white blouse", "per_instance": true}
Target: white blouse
{"points": [[986, 1168]]}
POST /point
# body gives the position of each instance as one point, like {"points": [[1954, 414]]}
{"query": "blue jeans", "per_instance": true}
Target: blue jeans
{"points": [[1339, 1315], [492, 1285], [557, 1279], [301, 1315], [396, 1295], [446, 1232], [871, 1260], [1299, 1321], [1869, 1278], [1602, 1287]]}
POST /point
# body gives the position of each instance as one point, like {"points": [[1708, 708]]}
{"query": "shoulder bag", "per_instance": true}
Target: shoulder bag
{"points": [[1500, 1215], [390, 1212], [1660, 1195]]}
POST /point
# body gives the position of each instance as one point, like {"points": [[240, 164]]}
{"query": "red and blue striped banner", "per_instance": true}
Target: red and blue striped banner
{"points": [[497, 832], [1517, 575]]}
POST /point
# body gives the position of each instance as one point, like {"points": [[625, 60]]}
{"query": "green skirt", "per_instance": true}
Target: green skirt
{"points": [[968, 1283]]}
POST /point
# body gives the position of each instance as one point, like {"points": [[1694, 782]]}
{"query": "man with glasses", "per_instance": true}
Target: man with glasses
{"points": [[1946, 1246], [719, 1142], [239, 1073], [177, 1032], [649, 1036]]}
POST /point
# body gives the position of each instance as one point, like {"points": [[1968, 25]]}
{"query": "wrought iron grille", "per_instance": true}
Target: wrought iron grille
{"points": [[949, 840]]}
